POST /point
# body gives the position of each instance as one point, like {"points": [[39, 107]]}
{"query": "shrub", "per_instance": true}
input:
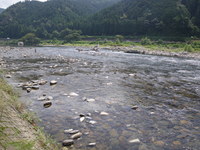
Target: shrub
{"points": [[188, 48], [30, 39], [146, 41], [119, 38]]}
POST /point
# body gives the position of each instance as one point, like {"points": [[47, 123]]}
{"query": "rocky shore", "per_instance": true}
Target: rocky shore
{"points": [[143, 50]]}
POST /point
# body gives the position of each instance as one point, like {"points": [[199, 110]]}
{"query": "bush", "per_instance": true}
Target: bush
{"points": [[188, 48], [119, 38], [160, 42], [72, 37], [146, 41], [30, 39]]}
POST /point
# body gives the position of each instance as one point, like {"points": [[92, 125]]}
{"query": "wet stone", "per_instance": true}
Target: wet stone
{"points": [[53, 82], [135, 107], [91, 144], [134, 141], [104, 113], [76, 136], [47, 104], [68, 142], [8, 76]]}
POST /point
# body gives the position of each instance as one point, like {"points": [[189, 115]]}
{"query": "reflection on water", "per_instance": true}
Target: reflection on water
{"points": [[166, 91]]}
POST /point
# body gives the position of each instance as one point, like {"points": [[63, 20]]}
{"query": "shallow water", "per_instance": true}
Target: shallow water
{"points": [[165, 89]]}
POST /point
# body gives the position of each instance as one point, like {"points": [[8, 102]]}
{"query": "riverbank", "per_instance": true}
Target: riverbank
{"points": [[18, 130]]}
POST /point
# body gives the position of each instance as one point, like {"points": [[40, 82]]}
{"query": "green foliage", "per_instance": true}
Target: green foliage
{"points": [[146, 41], [188, 48], [30, 39], [119, 38]]}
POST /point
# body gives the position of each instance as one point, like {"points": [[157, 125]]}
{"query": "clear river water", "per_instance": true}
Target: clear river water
{"points": [[135, 101]]}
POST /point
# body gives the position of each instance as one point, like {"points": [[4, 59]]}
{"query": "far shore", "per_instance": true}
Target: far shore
{"points": [[126, 49]]}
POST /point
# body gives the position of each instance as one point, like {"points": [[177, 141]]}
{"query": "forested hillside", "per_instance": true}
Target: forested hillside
{"points": [[49, 18], [126, 17], [1, 10], [147, 17]]}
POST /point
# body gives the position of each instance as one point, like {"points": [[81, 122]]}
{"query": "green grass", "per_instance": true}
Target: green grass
{"points": [[9, 98]]}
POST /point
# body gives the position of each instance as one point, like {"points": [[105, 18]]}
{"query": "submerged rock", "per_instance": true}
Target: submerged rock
{"points": [[47, 104], [92, 122], [68, 142], [76, 136]]}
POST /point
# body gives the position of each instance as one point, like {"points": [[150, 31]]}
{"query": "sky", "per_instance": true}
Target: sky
{"points": [[7, 3]]}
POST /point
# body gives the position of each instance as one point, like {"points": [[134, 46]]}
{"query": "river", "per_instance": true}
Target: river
{"points": [[134, 102]]}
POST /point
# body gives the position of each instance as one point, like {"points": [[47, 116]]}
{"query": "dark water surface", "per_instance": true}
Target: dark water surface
{"points": [[165, 89]]}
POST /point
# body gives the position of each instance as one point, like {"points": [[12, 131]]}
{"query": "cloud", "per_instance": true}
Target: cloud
{"points": [[7, 3]]}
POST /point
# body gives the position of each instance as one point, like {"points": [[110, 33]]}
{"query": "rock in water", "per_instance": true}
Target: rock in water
{"points": [[8, 76], [104, 113], [76, 136], [135, 107], [73, 94], [134, 141], [53, 82], [67, 142], [90, 100], [82, 119], [47, 104], [92, 144]]}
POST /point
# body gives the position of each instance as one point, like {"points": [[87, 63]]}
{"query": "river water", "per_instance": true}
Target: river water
{"points": [[166, 91]]}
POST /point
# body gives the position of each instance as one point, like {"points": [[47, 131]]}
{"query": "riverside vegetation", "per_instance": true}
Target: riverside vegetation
{"points": [[17, 126]]}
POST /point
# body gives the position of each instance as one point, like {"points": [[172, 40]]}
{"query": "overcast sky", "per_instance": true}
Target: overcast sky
{"points": [[7, 3]]}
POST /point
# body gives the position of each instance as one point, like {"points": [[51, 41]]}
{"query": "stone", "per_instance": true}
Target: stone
{"points": [[176, 143], [81, 115], [90, 100], [42, 82], [135, 107], [35, 87], [73, 94], [53, 82], [28, 90], [82, 119], [49, 98], [92, 144], [8, 76], [76, 136], [68, 130], [134, 141], [68, 142], [159, 143], [42, 98], [104, 113], [47, 104], [92, 122]]}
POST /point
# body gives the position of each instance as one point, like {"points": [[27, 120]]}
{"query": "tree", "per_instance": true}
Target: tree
{"points": [[30, 39], [72, 37]]}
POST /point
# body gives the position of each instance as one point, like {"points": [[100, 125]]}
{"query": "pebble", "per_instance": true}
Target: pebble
{"points": [[92, 144], [53, 82], [67, 142], [134, 141], [35, 87], [76, 136], [49, 98], [82, 119], [92, 122], [71, 131], [41, 98], [134, 107], [47, 104], [73, 94], [90, 100], [8, 76], [104, 113]]}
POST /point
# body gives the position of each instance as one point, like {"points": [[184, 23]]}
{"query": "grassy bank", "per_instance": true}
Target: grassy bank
{"points": [[18, 130], [169, 44]]}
